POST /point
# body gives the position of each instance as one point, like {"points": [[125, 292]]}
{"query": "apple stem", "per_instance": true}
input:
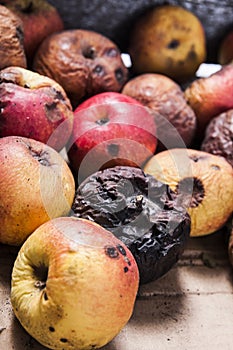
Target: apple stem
{"points": [[40, 284]]}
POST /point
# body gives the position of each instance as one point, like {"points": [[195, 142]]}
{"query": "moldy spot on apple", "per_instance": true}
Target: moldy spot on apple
{"points": [[89, 52], [198, 192], [174, 43], [111, 252]]}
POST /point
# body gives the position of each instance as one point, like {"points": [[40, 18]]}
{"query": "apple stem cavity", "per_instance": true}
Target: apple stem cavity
{"points": [[41, 275], [41, 157]]}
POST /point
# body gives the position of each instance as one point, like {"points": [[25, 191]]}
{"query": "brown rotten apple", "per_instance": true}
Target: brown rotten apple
{"points": [[74, 285], [175, 120], [83, 62], [11, 39], [169, 40], [218, 138], [110, 129], [36, 185], [207, 177], [34, 106], [211, 96], [39, 18]]}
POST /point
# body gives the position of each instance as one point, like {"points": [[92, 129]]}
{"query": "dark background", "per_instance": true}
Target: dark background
{"points": [[114, 18]]}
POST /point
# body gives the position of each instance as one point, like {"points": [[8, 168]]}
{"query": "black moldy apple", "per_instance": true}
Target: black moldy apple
{"points": [[11, 40], [208, 178], [83, 62], [218, 138], [139, 210]]}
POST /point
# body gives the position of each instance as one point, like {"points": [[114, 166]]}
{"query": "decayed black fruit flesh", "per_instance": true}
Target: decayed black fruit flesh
{"points": [[141, 211]]}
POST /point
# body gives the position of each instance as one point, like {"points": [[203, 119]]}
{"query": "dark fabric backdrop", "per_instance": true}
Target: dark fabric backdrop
{"points": [[114, 18]]}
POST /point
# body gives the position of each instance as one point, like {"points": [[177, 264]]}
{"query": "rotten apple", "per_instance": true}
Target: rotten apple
{"points": [[39, 18], [175, 119], [36, 185], [74, 285], [167, 39], [210, 96], [207, 177], [11, 40], [110, 129], [84, 62], [139, 210], [34, 106]]}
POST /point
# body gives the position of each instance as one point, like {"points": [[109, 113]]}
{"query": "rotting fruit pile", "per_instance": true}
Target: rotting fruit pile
{"points": [[106, 170]]}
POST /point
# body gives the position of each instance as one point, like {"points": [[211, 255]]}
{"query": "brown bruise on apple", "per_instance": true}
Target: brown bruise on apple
{"points": [[83, 62], [32, 174], [175, 120], [11, 40], [69, 290], [208, 178], [46, 121], [218, 137]]}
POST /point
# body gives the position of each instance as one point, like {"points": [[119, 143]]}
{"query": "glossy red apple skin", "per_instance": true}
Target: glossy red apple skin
{"points": [[34, 106], [110, 129], [39, 18]]}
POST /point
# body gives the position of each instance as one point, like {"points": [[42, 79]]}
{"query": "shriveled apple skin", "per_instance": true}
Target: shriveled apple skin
{"points": [[211, 96], [209, 178], [86, 292], [34, 106], [175, 119], [11, 39], [39, 18], [36, 185]]}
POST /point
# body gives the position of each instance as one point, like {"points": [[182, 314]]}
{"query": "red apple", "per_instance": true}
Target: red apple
{"points": [[36, 185], [210, 96], [40, 19], [34, 106], [225, 52], [110, 129]]}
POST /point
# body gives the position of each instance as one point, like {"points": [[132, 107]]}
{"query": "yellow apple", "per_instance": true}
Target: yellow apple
{"points": [[74, 284], [36, 185], [204, 180]]}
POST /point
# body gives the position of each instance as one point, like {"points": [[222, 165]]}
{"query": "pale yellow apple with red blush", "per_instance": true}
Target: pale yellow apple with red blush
{"points": [[36, 185], [74, 284]]}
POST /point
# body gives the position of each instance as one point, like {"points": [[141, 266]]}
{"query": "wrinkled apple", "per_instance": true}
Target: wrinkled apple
{"points": [[39, 18], [11, 40], [36, 185], [34, 106], [110, 129], [207, 177], [84, 62], [74, 285], [218, 138], [175, 120]]}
